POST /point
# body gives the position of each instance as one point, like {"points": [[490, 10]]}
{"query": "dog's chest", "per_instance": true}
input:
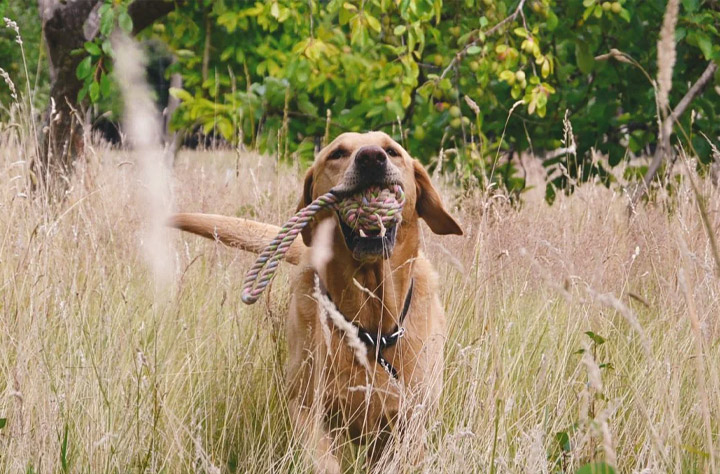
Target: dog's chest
{"points": [[363, 396]]}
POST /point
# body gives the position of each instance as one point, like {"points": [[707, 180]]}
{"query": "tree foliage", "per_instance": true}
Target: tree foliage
{"points": [[476, 77], [401, 65]]}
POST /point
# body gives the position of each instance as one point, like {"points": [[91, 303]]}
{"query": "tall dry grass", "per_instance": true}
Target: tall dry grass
{"points": [[96, 376], [575, 333]]}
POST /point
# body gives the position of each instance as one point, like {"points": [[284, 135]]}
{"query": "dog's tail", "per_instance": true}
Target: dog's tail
{"points": [[244, 234]]}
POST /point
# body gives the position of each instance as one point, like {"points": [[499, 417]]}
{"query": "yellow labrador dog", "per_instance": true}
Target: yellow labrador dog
{"points": [[365, 332]]}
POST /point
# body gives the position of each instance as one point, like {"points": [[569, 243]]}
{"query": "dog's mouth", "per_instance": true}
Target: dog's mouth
{"points": [[366, 246], [369, 220]]}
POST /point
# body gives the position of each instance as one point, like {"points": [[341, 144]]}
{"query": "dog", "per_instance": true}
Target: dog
{"points": [[375, 292]]}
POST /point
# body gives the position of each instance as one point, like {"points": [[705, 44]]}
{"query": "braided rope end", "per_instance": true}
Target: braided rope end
{"points": [[373, 210]]}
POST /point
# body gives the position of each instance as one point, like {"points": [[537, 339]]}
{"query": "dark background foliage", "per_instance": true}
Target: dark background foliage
{"points": [[282, 75]]}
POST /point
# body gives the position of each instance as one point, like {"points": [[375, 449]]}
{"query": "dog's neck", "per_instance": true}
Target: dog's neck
{"points": [[376, 301]]}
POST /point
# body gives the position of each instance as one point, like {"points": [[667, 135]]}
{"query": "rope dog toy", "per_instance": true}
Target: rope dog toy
{"points": [[371, 211]]}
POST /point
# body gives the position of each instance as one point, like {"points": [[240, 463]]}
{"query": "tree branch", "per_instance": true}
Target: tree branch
{"points": [[145, 12], [461, 54], [664, 148]]}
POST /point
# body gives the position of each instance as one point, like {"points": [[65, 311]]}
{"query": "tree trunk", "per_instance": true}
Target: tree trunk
{"points": [[67, 26], [63, 141], [206, 49]]}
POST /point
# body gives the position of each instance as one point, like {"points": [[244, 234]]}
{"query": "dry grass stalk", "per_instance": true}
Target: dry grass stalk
{"points": [[84, 345], [700, 356], [611, 301], [328, 308], [702, 208], [143, 125], [10, 83], [666, 55], [593, 370], [320, 256]]}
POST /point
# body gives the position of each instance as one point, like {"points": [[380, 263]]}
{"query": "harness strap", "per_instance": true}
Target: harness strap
{"points": [[378, 343]]}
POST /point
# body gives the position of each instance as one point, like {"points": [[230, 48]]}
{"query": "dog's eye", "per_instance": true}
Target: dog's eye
{"points": [[337, 154], [391, 152]]}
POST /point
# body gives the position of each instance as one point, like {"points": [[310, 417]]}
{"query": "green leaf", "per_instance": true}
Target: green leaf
{"points": [[596, 338], [405, 98], [625, 15], [563, 440], [227, 53], [208, 126], [473, 50], [399, 30], [507, 76], [284, 14], [105, 85], [94, 92], [107, 47], [588, 3], [226, 129], [373, 23], [552, 21], [107, 22], [125, 22], [181, 94], [521, 32], [704, 43], [92, 48], [84, 68], [64, 451], [596, 468], [691, 5], [694, 450], [229, 20], [585, 59], [306, 106], [3, 422]]}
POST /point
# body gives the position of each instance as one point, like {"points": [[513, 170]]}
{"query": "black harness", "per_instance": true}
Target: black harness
{"points": [[378, 343]]}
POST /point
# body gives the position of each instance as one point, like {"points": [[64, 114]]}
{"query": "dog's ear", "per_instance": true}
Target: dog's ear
{"points": [[429, 205], [305, 200]]}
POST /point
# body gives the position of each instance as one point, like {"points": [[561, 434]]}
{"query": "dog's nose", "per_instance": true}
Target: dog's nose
{"points": [[371, 158]]}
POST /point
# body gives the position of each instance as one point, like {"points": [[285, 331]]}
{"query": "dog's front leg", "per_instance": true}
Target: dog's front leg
{"points": [[306, 411], [305, 391], [309, 428]]}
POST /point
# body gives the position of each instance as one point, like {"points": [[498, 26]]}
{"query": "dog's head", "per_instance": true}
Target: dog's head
{"points": [[354, 162]]}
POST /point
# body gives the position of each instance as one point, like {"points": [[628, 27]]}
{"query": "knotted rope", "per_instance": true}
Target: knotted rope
{"points": [[371, 211]]}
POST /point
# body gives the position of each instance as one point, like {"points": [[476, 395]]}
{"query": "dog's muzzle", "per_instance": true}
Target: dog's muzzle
{"points": [[370, 174], [370, 167]]}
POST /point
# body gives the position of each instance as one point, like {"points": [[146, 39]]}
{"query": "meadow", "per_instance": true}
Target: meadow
{"points": [[578, 332]]}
